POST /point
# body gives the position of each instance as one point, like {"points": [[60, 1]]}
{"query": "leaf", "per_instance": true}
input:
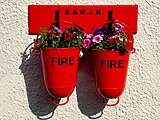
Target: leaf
{"points": [[69, 45]]}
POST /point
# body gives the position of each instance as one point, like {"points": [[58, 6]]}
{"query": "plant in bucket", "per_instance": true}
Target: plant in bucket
{"points": [[60, 55], [111, 44]]}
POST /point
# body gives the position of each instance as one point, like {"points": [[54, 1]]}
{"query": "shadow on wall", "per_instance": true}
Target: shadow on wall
{"points": [[38, 98], [89, 101]]}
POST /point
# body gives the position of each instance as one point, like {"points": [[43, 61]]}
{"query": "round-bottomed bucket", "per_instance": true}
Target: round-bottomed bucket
{"points": [[110, 69], [60, 67]]}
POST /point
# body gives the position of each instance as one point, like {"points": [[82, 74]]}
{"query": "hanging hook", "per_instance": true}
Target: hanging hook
{"points": [[110, 18], [57, 18]]}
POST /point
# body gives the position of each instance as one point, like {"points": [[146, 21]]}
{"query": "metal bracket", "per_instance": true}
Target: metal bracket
{"points": [[110, 18], [57, 18]]}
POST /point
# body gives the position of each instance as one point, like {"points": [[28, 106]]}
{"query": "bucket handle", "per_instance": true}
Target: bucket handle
{"points": [[105, 103], [61, 103], [133, 50]]}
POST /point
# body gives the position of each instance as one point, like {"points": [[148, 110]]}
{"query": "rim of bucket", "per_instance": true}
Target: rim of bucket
{"points": [[60, 48], [111, 51]]}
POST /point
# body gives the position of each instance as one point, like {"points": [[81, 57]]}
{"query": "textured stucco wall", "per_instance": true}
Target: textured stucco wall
{"points": [[22, 93]]}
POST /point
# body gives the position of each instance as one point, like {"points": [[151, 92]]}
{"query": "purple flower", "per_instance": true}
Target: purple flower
{"points": [[104, 29], [92, 28], [118, 30], [97, 31], [56, 28], [86, 43], [106, 37], [97, 38], [49, 41]]}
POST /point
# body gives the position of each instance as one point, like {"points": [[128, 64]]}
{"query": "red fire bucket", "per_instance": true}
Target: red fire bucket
{"points": [[60, 67], [110, 72]]}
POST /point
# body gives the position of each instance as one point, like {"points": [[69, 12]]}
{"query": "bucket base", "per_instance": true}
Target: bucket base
{"points": [[110, 93], [61, 92]]}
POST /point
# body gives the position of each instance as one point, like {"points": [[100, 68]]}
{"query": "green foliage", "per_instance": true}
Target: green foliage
{"points": [[115, 38], [54, 38]]}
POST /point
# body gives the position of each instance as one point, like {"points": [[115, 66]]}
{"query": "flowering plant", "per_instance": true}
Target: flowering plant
{"points": [[55, 38], [109, 38]]}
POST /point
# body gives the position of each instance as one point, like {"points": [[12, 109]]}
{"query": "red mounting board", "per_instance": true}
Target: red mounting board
{"points": [[86, 16]]}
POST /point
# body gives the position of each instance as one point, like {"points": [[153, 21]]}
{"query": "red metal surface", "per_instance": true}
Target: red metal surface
{"points": [[86, 16], [60, 67], [110, 72]]}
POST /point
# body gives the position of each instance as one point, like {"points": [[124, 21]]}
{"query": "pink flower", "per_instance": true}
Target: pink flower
{"points": [[97, 38], [85, 35], [86, 43], [90, 36]]}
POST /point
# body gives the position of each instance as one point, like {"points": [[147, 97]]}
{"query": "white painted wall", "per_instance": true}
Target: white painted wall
{"points": [[22, 93]]}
